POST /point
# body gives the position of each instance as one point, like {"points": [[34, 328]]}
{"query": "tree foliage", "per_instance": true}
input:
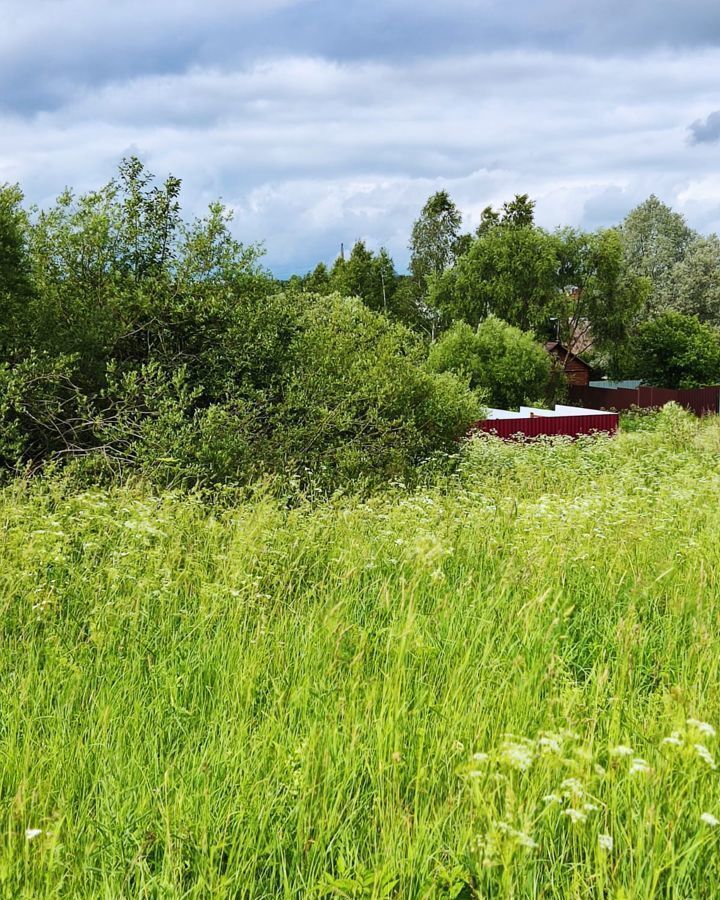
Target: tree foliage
{"points": [[693, 284], [676, 351], [508, 365], [509, 272], [655, 238], [434, 239], [136, 341]]}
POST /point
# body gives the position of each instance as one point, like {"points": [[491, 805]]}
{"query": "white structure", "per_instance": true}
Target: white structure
{"points": [[529, 412]]}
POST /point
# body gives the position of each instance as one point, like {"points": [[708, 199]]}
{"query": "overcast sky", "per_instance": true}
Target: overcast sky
{"points": [[321, 121]]}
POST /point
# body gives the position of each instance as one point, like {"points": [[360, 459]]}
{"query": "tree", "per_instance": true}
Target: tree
{"points": [[693, 284], [602, 298], [509, 272], [369, 276], [15, 276], [489, 218], [655, 239], [506, 364], [518, 212], [676, 351], [433, 243], [318, 281]]}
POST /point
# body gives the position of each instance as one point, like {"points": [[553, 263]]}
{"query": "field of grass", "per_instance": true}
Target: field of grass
{"points": [[500, 687]]}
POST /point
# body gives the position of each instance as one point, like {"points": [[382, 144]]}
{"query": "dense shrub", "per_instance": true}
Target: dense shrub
{"points": [[135, 342], [676, 351], [507, 364]]}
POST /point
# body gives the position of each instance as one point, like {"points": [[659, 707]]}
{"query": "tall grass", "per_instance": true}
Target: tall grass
{"points": [[464, 693]]}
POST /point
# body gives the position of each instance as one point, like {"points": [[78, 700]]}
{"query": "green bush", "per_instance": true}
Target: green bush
{"points": [[676, 351], [506, 364]]}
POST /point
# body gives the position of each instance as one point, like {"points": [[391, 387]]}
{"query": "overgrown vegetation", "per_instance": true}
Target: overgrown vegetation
{"points": [[134, 342], [501, 685]]}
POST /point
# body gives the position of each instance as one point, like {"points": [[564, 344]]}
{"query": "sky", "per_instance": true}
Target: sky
{"points": [[327, 121]]}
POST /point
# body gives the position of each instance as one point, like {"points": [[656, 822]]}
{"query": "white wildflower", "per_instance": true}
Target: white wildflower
{"points": [[605, 842], [621, 750], [709, 819], [572, 787], [704, 754], [674, 740], [639, 767], [549, 744], [552, 798], [525, 840], [599, 770], [518, 756], [480, 757], [590, 807], [703, 727], [575, 815], [32, 833]]}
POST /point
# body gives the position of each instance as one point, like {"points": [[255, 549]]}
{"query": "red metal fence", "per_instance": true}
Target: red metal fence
{"points": [[535, 426], [700, 400]]}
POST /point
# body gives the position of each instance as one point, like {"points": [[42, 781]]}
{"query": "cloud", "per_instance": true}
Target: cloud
{"points": [[706, 131], [50, 48], [320, 123]]}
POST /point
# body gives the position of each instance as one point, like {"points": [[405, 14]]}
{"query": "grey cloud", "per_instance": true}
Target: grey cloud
{"points": [[50, 50], [706, 131], [323, 122], [311, 151]]}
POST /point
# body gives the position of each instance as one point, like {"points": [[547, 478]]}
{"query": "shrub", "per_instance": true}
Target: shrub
{"points": [[508, 365]]}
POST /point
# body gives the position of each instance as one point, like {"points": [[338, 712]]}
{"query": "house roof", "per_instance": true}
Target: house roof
{"points": [[557, 347]]}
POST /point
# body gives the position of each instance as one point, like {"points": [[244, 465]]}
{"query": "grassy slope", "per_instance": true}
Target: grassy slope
{"points": [[266, 703]]}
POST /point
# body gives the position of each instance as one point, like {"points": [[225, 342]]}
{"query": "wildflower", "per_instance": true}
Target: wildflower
{"points": [[605, 842], [525, 840], [549, 744], [552, 798], [675, 739], [518, 756], [575, 815], [572, 787], [480, 757], [621, 750], [639, 767], [599, 770], [703, 727], [709, 819], [32, 833], [590, 807], [704, 754]]}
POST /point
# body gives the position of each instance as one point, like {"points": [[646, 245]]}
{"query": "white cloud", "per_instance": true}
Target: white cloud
{"points": [[313, 151]]}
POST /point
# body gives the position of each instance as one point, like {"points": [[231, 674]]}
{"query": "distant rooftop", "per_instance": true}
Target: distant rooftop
{"points": [[614, 385]]}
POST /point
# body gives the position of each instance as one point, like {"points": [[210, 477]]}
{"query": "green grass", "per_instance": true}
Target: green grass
{"points": [[265, 702]]}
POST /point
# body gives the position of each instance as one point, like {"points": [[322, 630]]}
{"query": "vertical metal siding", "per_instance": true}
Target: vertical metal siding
{"points": [[700, 400], [568, 426]]}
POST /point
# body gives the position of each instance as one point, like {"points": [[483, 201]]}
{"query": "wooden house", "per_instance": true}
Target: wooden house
{"points": [[576, 370]]}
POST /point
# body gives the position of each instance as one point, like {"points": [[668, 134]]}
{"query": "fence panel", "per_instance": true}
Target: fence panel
{"points": [[536, 426], [700, 400]]}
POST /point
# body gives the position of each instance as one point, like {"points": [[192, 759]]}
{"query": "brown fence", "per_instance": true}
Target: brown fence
{"points": [[700, 400]]}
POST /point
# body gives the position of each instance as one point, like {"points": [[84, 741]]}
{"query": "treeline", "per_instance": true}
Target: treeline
{"points": [[640, 300], [133, 341]]}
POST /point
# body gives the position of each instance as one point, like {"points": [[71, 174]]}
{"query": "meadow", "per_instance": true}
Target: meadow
{"points": [[503, 684]]}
